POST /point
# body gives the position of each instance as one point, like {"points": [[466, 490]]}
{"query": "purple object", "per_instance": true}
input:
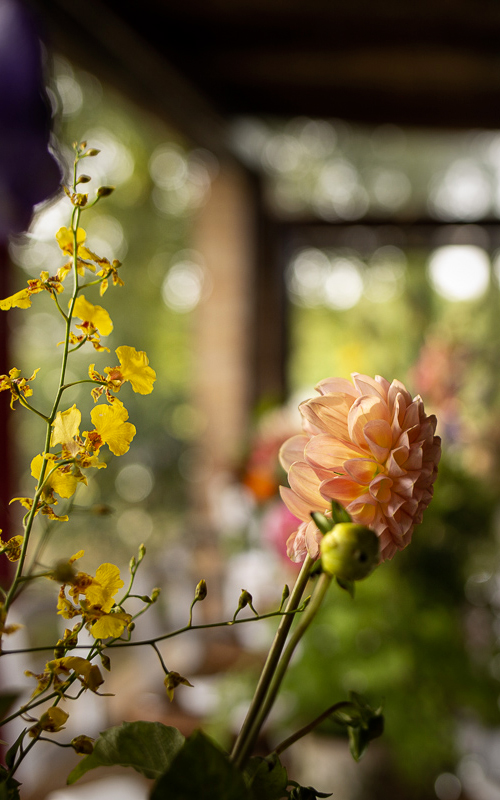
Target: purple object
{"points": [[29, 173]]}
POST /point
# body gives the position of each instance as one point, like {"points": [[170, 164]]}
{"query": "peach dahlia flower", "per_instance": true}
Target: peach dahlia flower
{"points": [[371, 447]]}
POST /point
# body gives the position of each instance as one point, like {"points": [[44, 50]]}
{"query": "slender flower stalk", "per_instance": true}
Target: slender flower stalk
{"points": [[240, 746], [277, 673], [12, 593]]}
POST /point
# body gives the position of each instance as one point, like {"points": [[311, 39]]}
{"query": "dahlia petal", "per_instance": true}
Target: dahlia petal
{"points": [[415, 434], [367, 386], [304, 540], [292, 450], [410, 507], [363, 470], [362, 411], [342, 489], [385, 385], [305, 483], [433, 451], [296, 548], [378, 436], [313, 537], [396, 458], [336, 386], [380, 488], [412, 416], [397, 388], [398, 415], [403, 441], [394, 504], [328, 414], [387, 547], [327, 452], [428, 428], [298, 507], [405, 485], [403, 521], [415, 457], [363, 510], [309, 428]]}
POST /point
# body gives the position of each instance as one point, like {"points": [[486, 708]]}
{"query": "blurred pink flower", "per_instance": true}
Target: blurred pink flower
{"points": [[277, 525], [369, 446]]}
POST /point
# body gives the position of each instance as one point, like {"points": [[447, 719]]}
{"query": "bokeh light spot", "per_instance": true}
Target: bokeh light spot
{"points": [[459, 272], [134, 482]]}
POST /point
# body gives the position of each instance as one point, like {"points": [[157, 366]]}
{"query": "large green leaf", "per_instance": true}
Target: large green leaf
{"points": [[267, 778], [201, 770], [147, 747], [9, 787]]}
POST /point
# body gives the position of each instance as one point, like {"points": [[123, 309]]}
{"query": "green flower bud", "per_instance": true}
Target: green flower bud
{"points": [[201, 591], [105, 191], [105, 661], [349, 551], [83, 745]]}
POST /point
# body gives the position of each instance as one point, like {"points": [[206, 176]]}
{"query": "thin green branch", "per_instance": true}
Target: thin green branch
{"points": [[160, 657], [25, 403], [286, 743], [144, 642]]}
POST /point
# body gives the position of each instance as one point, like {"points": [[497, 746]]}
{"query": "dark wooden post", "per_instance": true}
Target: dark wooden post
{"points": [[5, 444]]}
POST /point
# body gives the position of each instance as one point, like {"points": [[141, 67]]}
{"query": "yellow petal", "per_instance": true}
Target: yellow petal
{"points": [[97, 315], [103, 589], [110, 423], [20, 299], [134, 368], [109, 625], [64, 238], [66, 426], [79, 665]]}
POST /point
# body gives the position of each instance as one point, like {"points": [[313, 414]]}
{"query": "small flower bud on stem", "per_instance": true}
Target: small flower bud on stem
{"points": [[350, 552]]}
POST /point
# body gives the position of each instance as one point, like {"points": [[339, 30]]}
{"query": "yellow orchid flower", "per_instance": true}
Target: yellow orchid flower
{"points": [[110, 625], [106, 584], [96, 315], [22, 299], [18, 387], [64, 238], [89, 674], [97, 609], [111, 426], [110, 270], [12, 548], [51, 720], [134, 367], [172, 681], [85, 256], [62, 481]]}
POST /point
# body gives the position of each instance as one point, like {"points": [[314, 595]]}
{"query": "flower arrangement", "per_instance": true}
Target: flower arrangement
{"points": [[360, 475]]}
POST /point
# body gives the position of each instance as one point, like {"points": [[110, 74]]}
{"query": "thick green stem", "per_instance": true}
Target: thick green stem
{"points": [[280, 669], [272, 659]]}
